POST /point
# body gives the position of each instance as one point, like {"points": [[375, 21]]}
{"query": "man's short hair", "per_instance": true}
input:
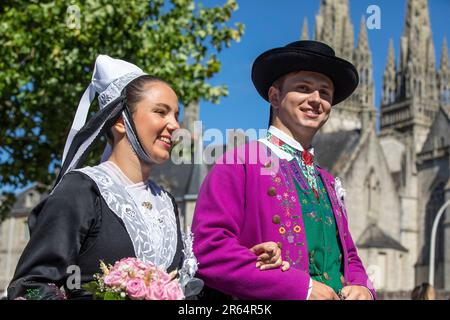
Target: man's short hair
{"points": [[279, 85]]}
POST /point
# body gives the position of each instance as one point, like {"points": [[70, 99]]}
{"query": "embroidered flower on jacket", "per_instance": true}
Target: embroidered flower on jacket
{"points": [[307, 158], [33, 294], [340, 191], [340, 194], [60, 294], [311, 215]]}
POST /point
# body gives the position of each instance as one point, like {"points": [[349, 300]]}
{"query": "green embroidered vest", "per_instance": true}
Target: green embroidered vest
{"points": [[324, 250], [325, 258]]}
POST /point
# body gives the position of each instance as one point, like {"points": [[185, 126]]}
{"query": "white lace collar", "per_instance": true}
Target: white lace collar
{"points": [[152, 230]]}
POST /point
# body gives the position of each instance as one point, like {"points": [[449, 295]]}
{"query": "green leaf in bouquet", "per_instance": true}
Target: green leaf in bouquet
{"points": [[112, 296], [99, 296], [92, 287]]}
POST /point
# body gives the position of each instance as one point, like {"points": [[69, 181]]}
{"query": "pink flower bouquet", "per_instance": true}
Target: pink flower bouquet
{"points": [[130, 278]]}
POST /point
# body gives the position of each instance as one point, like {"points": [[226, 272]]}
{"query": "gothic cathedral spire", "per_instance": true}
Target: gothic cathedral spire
{"points": [[362, 58], [410, 106], [444, 76], [334, 27], [364, 94], [389, 78], [305, 32]]}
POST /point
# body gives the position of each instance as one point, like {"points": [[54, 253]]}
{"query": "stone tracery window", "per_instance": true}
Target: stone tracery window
{"points": [[372, 195], [433, 204]]}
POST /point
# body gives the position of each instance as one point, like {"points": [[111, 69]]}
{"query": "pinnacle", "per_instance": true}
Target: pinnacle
{"points": [[305, 33]]}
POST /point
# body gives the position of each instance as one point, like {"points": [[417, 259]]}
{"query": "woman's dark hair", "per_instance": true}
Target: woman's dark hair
{"points": [[134, 92], [421, 292]]}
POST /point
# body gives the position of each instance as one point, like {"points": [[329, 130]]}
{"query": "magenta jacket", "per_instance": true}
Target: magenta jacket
{"points": [[234, 212]]}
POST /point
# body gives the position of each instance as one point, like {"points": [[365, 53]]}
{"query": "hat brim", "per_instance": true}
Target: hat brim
{"points": [[273, 64]]}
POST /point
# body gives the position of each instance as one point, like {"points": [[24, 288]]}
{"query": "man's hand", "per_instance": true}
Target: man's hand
{"points": [[321, 291], [269, 256], [356, 293]]}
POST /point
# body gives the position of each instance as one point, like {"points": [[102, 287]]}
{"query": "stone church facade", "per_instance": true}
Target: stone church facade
{"points": [[396, 177], [14, 233]]}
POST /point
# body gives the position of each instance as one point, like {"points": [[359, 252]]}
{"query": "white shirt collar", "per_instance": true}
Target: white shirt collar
{"points": [[285, 138], [288, 139], [277, 151]]}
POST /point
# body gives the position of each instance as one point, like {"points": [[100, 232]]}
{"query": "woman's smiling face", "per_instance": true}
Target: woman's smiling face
{"points": [[156, 118]]}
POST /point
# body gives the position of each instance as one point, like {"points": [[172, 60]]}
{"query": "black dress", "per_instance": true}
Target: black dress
{"points": [[70, 229]]}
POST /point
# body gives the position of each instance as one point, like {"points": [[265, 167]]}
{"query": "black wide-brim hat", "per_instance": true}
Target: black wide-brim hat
{"points": [[304, 55]]}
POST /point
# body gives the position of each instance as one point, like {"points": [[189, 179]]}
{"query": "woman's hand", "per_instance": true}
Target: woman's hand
{"points": [[269, 256]]}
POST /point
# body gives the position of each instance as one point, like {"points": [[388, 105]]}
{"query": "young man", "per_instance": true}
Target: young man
{"points": [[289, 199]]}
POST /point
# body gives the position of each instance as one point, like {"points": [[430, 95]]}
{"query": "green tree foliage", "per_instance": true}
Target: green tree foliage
{"points": [[47, 53]]}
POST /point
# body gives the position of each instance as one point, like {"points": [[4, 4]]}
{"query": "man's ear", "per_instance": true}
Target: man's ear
{"points": [[274, 97]]}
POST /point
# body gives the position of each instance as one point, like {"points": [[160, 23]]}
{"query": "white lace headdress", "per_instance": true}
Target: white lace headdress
{"points": [[109, 79]]}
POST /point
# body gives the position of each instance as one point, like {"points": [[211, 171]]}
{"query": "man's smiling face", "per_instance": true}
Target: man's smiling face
{"points": [[302, 101]]}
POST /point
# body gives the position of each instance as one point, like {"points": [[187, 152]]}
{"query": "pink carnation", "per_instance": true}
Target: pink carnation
{"points": [[150, 268], [143, 266], [115, 279], [162, 276], [134, 264], [160, 290], [132, 276], [155, 291], [173, 291]]}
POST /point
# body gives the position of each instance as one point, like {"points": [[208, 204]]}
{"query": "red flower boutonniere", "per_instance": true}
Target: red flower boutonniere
{"points": [[307, 157], [316, 194]]}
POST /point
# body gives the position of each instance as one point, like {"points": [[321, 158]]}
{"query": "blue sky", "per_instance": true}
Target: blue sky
{"points": [[270, 24]]}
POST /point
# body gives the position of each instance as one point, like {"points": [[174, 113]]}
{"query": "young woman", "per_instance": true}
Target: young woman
{"points": [[113, 210]]}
